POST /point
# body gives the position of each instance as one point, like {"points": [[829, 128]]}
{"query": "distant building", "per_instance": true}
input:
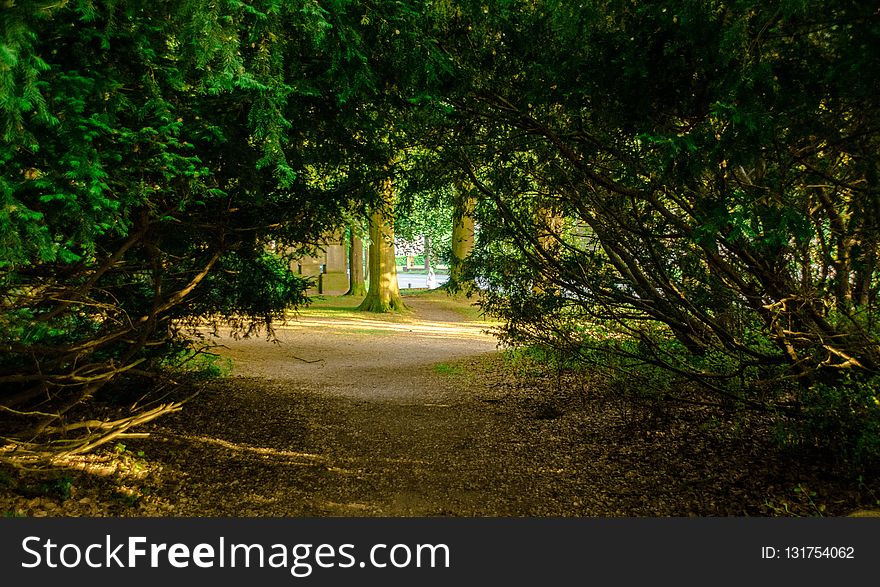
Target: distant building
{"points": [[329, 267]]}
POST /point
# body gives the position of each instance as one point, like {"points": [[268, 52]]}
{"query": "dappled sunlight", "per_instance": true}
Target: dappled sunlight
{"points": [[309, 458], [350, 508], [433, 315], [110, 481], [422, 327], [362, 354]]}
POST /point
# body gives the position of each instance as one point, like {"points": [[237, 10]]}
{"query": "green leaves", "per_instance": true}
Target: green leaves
{"points": [[150, 152], [698, 178]]}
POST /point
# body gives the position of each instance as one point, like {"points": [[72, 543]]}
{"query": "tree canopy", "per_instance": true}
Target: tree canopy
{"points": [[150, 153], [692, 187], [679, 190]]}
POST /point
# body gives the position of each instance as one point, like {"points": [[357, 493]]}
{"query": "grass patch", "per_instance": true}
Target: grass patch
{"points": [[365, 331], [460, 304], [345, 307], [449, 370]]}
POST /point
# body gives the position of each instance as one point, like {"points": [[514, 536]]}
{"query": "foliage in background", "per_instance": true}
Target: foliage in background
{"points": [[421, 216]]}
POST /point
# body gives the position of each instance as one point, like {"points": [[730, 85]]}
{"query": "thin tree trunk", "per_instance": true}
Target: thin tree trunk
{"points": [[357, 283], [428, 252]]}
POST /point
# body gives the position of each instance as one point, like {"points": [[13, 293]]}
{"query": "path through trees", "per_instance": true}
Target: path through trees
{"points": [[418, 415]]}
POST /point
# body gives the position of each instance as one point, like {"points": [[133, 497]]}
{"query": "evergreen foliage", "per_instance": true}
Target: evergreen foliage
{"points": [[150, 154], [681, 187]]}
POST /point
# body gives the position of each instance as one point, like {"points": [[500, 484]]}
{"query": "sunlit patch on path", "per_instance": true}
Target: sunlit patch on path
{"points": [[420, 327]]}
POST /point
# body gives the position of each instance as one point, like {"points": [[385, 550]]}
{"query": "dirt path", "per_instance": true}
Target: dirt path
{"points": [[358, 416], [341, 417], [350, 415]]}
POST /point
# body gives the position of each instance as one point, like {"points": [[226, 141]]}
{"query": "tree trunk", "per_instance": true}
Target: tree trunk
{"points": [[548, 224], [383, 295], [357, 284], [462, 235], [428, 252]]}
